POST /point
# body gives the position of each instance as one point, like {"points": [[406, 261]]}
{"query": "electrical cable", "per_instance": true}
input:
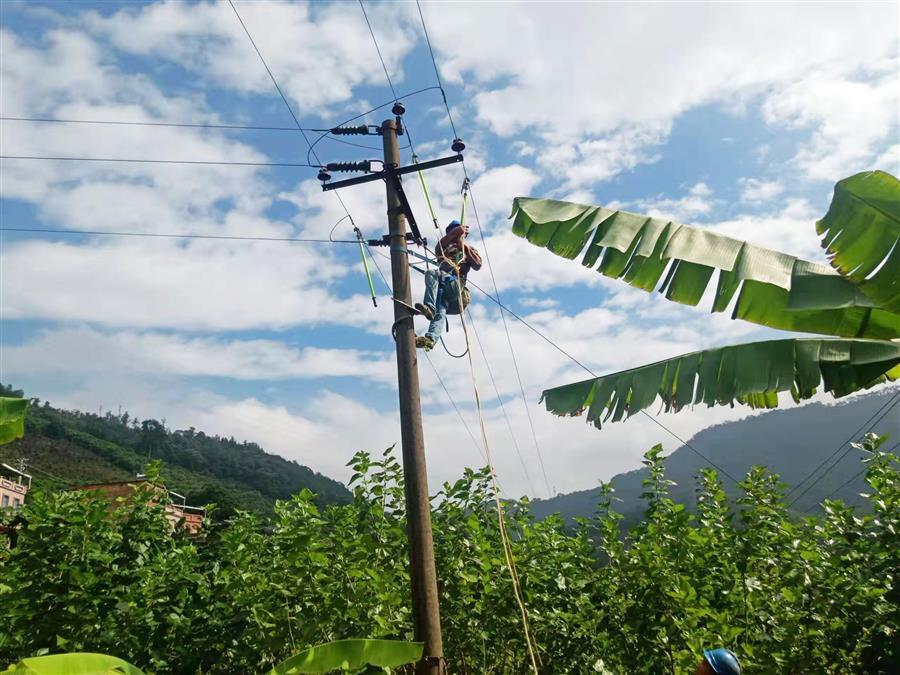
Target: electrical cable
{"points": [[371, 110], [486, 252], [158, 161], [848, 481], [377, 49], [503, 408], [455, 407], [284, 99], [512, 351], [189, 125], [240, 127], [562, 351], [850, 438], [169, 235], [437, 73], [433, 367], [386, 73], [818, 480], [533, 653]]}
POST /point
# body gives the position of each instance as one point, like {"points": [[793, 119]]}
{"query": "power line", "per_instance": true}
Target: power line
{"points": [[158, 161], [486, 253], [848, 481], [407, 95], [168, 235], [437, 73], [377, 49], [593, 374], [850, 438], [284, 99], [188, 125], [386, 73], [497, 299], [818, 480], [455, 407], [503, 410]]}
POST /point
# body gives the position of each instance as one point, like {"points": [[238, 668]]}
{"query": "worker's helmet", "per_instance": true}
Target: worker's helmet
{"points": [[453, 224], [723, 661]]}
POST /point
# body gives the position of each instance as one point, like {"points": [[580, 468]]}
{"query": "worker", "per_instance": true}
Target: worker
{"points": [[719, 662], [456, 258]]}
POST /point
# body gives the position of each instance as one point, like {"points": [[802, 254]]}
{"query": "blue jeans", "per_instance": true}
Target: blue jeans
{"points": [[432, 285]]}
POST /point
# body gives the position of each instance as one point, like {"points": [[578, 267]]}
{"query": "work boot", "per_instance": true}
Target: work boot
{"points": [[425, 311], [424, 342]]}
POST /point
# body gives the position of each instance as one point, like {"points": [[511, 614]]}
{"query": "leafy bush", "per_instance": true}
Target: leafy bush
{"points": [[817, 595]]}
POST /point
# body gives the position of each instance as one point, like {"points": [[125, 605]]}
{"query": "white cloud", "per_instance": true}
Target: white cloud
{"points": [[851, 119], [792, 230], [697, 203], [318, 52], [88, 351], [758, 190], [573, 87], [201, 285], [889, 161]]}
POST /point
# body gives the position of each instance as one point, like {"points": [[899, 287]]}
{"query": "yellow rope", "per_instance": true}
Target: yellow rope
{"points": [[501, 519]]}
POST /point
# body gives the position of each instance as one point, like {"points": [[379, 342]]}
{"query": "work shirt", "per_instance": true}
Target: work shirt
{"points": [[450, 246]]}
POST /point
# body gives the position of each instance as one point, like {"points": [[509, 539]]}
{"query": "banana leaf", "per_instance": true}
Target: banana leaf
{"points": [[351, 655], [12, 418], [773, 289], [74, 664], [861, 231], [751, 374]]}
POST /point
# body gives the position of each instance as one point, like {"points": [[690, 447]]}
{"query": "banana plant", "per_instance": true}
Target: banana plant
{"points": [[856, 301], [12, 418], [74, 664], [355, 656]]}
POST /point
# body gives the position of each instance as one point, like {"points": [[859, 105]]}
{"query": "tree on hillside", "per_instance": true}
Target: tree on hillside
{"points": [[856, 301]]}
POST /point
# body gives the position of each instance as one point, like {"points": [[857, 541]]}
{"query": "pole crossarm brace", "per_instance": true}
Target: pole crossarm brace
{"points": [[392, 174]]}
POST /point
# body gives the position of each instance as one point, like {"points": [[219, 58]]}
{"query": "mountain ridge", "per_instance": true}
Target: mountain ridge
{"points": [[789, 442]]}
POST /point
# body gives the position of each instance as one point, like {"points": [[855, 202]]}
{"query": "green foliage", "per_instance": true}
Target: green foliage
{"points": [[752, 373], [74, 664], [12, 418], [812, 595], [351, 655], [91, 448], [861, 230], [861, 233]]}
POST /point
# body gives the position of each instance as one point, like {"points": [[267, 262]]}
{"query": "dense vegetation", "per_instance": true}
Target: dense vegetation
{"points": [[70, 447], [817, 595]]}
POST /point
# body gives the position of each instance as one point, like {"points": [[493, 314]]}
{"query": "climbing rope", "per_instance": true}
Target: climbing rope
{"points": [[501, 518]]}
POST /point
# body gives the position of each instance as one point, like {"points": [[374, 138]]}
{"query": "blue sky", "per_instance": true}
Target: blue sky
{"points": [[735, 116]]}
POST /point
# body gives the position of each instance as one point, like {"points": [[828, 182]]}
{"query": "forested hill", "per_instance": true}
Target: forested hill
{"points": [[65, 448], [789, 442]]}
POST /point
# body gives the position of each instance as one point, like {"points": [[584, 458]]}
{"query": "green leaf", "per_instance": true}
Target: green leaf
{"points": [[751, 374], [75, 664], [351, 655], [12, 418], [861, 231], [774, 289]]}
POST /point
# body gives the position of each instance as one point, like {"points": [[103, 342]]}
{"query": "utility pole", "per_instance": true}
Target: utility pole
{"points": [[423, 575], [426, 612]]}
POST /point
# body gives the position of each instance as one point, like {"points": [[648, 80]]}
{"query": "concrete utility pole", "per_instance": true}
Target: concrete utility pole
{"points": [[426, 612]]}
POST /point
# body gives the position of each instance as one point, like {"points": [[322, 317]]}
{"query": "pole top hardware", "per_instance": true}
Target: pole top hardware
{"points": [[386, 240], [360, 130], [324, 175], [363, 165], [458, 145], [398, 108]]}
